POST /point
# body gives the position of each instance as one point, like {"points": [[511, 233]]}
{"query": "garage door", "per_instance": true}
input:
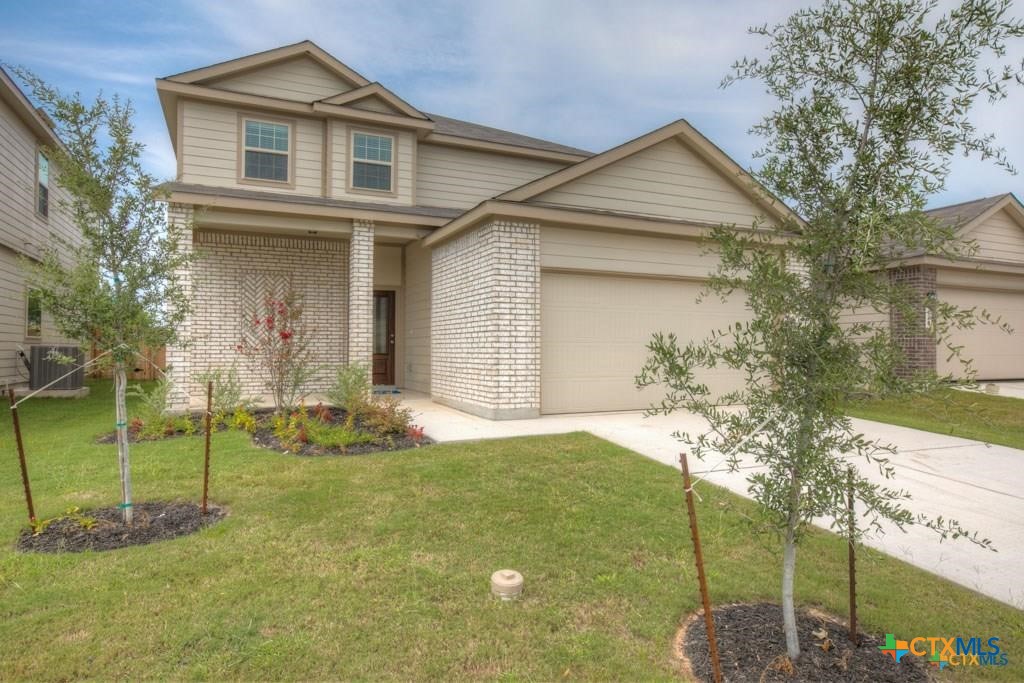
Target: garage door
{"points": [[996, 354], [595, 330]]}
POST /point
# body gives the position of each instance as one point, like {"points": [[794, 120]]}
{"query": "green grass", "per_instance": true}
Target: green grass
{"points": [[971, 415], [378, 566]]}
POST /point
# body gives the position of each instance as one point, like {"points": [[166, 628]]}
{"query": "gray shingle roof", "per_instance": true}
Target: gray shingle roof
{"points": [[474, 131], [964, 212]]}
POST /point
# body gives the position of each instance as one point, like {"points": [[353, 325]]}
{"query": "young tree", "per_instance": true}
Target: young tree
{"points": [[118, 290], [874, 98]]}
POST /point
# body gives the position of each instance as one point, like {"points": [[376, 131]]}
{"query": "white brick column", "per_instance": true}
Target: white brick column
{"points": [[180, 218], [360, 294], [485, 321]]}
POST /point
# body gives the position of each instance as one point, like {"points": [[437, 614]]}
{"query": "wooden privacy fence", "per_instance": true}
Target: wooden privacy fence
{"points": [[144, 368]]}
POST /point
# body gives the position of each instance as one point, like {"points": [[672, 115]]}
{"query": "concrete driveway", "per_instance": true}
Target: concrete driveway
{"points": [[980, 485]]}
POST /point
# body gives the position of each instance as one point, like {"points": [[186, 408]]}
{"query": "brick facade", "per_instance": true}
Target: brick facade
{"points": [[233, 273], [180, 217], [485, 321], [360, 293], [913, 335]]}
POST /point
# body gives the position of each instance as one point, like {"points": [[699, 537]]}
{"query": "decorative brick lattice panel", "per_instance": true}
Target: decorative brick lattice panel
{"points": [[232, 274]]}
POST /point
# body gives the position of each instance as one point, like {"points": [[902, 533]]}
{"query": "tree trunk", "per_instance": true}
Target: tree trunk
{"points": [[121, 427], [788, 609]]}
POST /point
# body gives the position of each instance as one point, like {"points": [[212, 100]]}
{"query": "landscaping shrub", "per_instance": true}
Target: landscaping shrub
{"points": [[387, 415], [336, 436], [277, 347], [243, 420], [227, 391], [352, 388]]}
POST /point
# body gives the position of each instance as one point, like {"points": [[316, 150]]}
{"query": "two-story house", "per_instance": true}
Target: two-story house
{"points": [[501, 274], [31, 215]]}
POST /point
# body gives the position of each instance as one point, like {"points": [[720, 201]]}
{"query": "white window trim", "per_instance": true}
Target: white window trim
{"points": [[32, 337], [243, 148], [352, 187], [49, 195]]}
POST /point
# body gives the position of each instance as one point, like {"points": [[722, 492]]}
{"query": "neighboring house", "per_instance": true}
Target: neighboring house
{"points": [[501, 274], [31, 214], [990, 279]]}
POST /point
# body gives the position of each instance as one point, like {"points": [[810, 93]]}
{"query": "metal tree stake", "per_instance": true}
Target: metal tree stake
{"points": [[851, 521], [709, 618], [21, 457], [206, 458]]}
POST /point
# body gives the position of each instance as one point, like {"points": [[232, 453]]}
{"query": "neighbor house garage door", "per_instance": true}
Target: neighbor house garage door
{"points": [[996, 354], [595, 330]]}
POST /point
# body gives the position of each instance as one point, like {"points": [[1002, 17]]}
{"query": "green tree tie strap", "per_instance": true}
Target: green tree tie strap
{"points": [[118, 425], [124, 505]]}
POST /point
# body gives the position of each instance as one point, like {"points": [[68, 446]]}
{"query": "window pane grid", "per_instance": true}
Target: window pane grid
{"points": [[266, 153], [371, 161]]}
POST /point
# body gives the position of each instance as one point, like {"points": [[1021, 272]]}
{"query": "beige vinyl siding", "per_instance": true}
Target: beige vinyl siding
{"points": [[23, 232], [374, 103], [457, 178], [403, 156], [209, 149], [667, 180], [999, 238], [417, 317], [301, 79], [591, 250]]}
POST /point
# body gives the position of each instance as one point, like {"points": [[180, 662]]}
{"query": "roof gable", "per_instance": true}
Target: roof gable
{"points": [[375, 97], [316, 71], [998, 233], [673, 172]]}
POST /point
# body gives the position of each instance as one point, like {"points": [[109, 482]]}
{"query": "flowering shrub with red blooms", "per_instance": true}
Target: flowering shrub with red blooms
{"points": [[276, 346]]}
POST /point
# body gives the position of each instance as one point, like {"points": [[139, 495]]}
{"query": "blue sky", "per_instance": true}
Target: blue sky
{"points": [[589, 73]]}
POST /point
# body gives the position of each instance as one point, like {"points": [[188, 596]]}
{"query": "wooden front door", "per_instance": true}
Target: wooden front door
{"points": [[383, 337]]}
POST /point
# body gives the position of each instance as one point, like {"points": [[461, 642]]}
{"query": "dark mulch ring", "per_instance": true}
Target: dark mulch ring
{"points": [[153, 522], [752, 647]]}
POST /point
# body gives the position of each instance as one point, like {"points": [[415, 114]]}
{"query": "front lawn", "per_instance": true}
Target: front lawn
{"points": [[377, 566], [967, 414]]}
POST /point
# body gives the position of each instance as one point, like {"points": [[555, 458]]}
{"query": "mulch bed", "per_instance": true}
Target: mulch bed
{"points": [[265, 438], [134, 437], [153, 522], [752, 647]]}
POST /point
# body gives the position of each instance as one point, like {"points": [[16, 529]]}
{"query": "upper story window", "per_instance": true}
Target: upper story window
{"points": [[43, 185], [266, 150], [33, 314], [372, 163]]}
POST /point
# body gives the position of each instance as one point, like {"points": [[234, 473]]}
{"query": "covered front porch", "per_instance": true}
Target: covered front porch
{"points": [[364, 287]]}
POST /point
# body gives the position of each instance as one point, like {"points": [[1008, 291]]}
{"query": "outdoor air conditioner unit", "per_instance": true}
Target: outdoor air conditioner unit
{"points": [[45, 369]]}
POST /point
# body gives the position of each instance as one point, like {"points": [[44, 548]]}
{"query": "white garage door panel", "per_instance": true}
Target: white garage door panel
{"points": [[996, 354], [595, 330]]}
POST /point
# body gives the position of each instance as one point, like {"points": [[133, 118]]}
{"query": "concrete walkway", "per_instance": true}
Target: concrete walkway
{"points": [[980, 485]]}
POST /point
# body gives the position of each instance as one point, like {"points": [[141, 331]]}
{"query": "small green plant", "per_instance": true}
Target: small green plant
{"points": [[336, 436], [352, 389], [152, 405], [387, 415], [73, 513], [243, 420], [292, 429], [227, 390]]}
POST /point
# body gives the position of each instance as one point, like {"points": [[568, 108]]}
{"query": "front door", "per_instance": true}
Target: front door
{"points": [[383, 337]]}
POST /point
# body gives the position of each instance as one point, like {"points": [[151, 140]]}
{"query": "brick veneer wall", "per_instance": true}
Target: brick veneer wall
{"points": [[180, 217], [485, 321], [360, 292], [232, 274], [912, 335]]}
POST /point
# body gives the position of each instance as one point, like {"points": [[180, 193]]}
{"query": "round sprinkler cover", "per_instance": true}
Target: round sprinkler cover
{"points": [[507, 584]]}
